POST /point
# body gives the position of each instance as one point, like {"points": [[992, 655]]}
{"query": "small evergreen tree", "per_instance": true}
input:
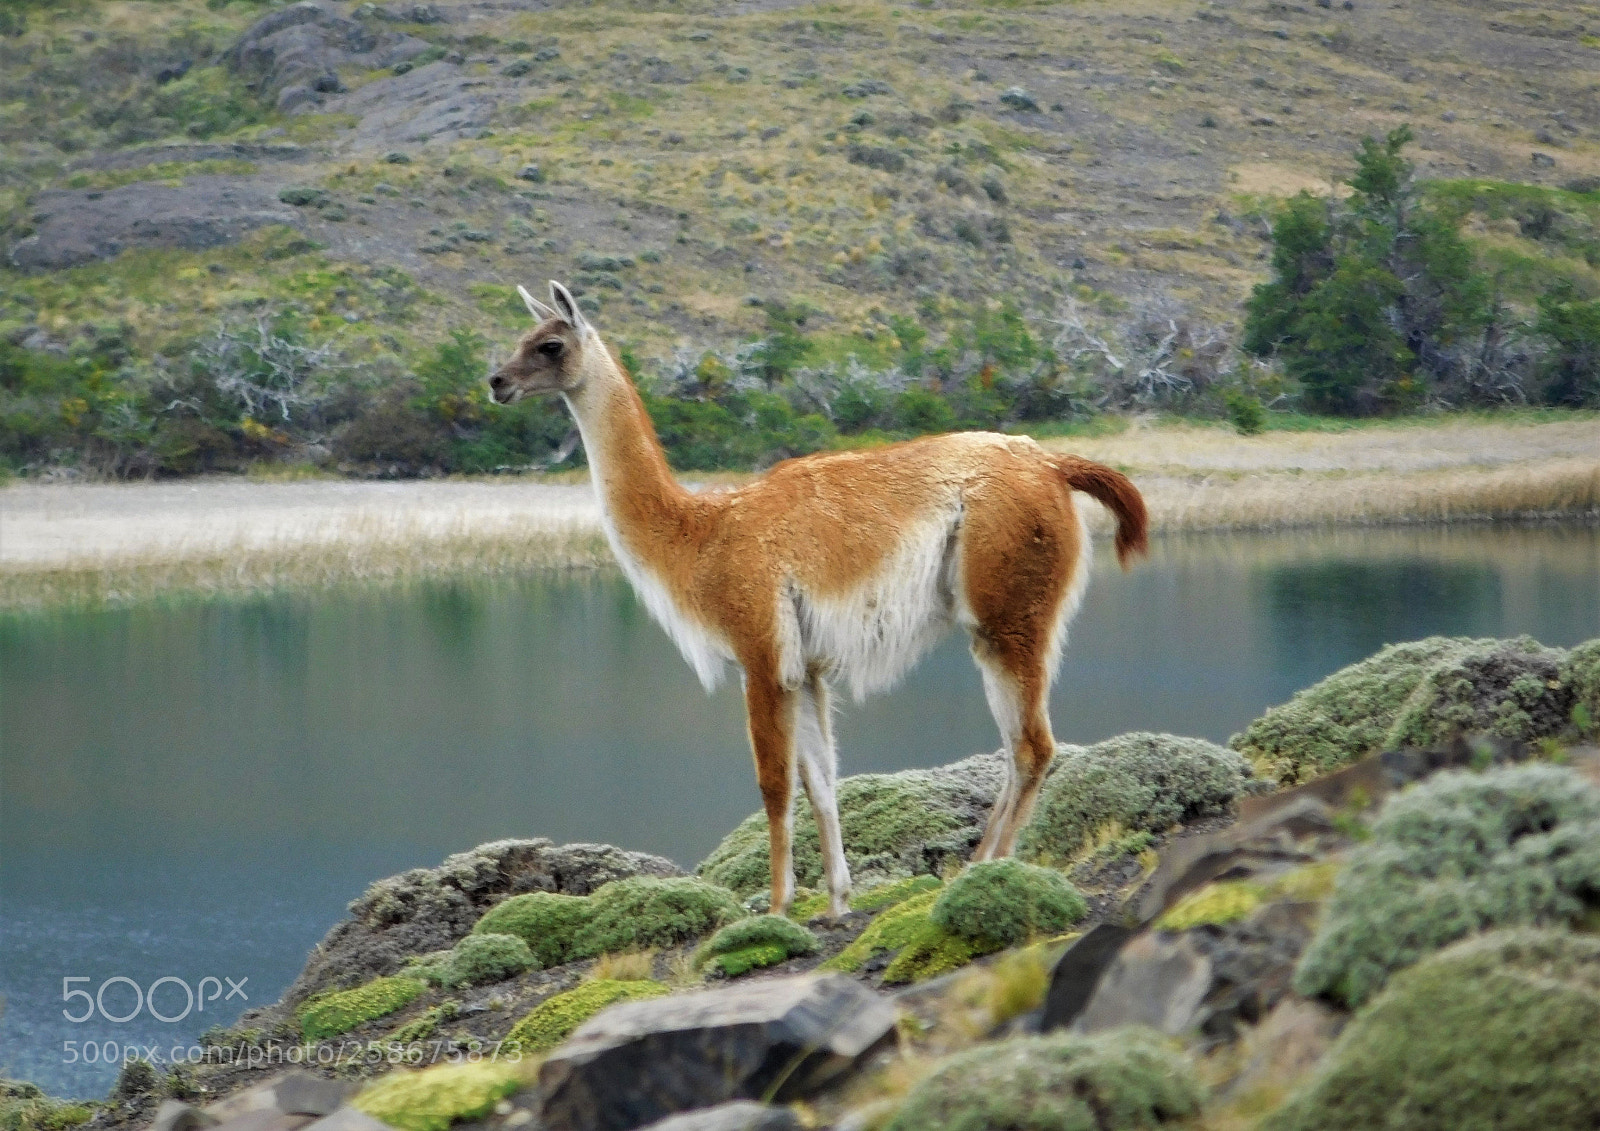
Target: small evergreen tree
{"points": [[1373, 299]]}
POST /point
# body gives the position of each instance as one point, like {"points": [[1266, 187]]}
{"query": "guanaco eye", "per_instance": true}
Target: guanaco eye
{"points": [[552, 348]]}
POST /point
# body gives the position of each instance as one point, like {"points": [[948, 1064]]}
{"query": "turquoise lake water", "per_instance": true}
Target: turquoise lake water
{"points": [[197, 790]]}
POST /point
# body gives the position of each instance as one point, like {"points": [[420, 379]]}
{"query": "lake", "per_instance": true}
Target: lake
{"points": [[196, 790]]}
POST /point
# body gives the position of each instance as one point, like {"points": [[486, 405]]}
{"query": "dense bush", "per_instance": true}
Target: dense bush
{"points": [[1132, 783], [1345, 716], [1458, 853], [764, 940], [1123, 1080], [481, 959], [1497, 1033], [547, 922], [1008, 902], [645, 911], [1420, 694]]}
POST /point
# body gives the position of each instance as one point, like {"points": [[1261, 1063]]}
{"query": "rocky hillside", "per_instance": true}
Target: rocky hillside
{"points": [[1184, 940], [396, 168]]}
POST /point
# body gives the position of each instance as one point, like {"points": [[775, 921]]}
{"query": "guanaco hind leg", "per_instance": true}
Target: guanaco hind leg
{"points": [[771, 715]]}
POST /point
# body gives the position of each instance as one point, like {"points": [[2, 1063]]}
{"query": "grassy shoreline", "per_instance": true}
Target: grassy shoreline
{"points": [[84, 544]]}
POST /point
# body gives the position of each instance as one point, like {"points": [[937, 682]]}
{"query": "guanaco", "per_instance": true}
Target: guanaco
{"points": [[840, 566]]}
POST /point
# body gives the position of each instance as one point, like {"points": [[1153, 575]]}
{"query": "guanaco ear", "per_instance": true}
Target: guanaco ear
{"points": [[536, 308], [566, 306]]}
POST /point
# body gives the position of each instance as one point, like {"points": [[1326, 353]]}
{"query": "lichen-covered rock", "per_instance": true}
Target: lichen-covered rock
{"points": [[1125, 1080], [749, 944], [430, 909], [654, 911], [553, 1020], [1347, 715], [1456, 854], [894, 825], [1135, 782], [433, 1099], [329, 1014], [1511, 689], [1007, 902], [1501, 1032]]}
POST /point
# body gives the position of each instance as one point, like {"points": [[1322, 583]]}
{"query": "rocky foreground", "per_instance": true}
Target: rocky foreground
{"points": [[1380, 908]]}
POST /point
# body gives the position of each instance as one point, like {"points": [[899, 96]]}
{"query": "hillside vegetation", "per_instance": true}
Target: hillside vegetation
{"points": [[231, 241]]}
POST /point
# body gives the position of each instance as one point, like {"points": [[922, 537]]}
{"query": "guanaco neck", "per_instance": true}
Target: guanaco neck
{"points": [[654, 517]]}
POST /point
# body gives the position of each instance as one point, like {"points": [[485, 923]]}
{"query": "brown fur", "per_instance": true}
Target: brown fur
{"points": [[821, 528]]}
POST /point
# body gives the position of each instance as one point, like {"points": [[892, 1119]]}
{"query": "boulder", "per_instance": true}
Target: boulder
{"points": [[73, 227], [740, 1115], [436, 101], [299, 47], [641, 1061], [430, 909]]}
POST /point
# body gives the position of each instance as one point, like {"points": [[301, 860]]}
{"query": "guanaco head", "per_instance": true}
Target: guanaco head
{"points": [[554, 356]]}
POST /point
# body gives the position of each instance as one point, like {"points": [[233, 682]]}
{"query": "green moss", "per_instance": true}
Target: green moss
{"points": [[1510, 689], [483, 958], [893, 825], [645, 911], [765, 940], [896, 891], [1136, 782], [934, 951], [433, 1099], [892, 930], [1347, 715], [1124, 1080], [1007, 902], [1454, 855], [553, 1020], [547, 922], [329, 1014], [1499, 1032], [1213, 904], [738, 962]]}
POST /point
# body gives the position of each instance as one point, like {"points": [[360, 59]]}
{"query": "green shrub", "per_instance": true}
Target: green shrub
{"points": [[1245, 412], [894, 826], [433, 1099], [1345, 716], [546, 921], [1571, 324], [553, 1020], [1454, 855], [645, 911], [1118, 1081], [329, 1014], [25, 1107], [482, 958], [1008, 902], [1510, 689], [1498, 1033], [1581, 673], [764, 940], [1136, 782], [922, 949]]}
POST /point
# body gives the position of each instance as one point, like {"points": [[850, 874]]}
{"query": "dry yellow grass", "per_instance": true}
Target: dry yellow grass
{"points": [[94, 542]]}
